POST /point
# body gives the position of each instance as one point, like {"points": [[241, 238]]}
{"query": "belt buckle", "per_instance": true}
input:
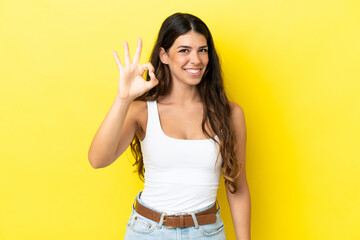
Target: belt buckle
{"points": [[169, 227]]}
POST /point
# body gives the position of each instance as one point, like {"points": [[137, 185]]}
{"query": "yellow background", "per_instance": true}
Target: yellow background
{"points": [[293, 66]]}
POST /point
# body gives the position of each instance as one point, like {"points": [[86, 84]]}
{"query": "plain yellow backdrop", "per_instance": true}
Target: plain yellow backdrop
{"points": [[293, 66]]}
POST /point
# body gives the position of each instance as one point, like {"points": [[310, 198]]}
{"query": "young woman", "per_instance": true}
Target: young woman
{"points": [[183, 132]]}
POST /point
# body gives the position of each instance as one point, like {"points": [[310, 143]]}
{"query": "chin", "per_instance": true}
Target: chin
{"points": [[194, 83]]}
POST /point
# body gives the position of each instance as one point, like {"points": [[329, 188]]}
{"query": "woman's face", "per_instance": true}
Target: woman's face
{"points": [[187, 58]]}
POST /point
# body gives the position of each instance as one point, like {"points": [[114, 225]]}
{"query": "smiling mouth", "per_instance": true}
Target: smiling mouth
{"points": [[194, 71]]}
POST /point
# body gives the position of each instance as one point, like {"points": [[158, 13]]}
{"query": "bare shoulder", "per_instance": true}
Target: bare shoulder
{"points": [[238, 119], [137, 110], [138, 106], [237, 113]]}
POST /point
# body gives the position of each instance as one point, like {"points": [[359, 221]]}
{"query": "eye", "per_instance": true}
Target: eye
{"points": [[203, 50], [184, 50]]}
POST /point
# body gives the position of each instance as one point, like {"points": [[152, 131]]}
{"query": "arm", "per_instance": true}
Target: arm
{"points": [[111, 133], [239, 203], [120, 124]]}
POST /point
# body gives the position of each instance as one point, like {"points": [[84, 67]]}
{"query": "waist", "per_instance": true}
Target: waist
{"points": [[174, 199], [204, 216]]}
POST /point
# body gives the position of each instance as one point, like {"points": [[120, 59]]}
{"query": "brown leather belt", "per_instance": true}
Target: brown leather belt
{"points": [[181, 221]]}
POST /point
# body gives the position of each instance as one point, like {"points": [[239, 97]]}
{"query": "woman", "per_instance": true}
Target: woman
{"points": [[182, 131]]}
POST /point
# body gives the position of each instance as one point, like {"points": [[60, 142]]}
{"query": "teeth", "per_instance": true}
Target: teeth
{"points": [[193, 70]]}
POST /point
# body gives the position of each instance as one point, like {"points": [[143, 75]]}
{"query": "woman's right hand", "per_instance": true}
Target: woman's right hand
{"points": [[131, 81]]}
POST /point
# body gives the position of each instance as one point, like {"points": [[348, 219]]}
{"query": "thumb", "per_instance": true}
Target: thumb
{"points": [[152, 83]]}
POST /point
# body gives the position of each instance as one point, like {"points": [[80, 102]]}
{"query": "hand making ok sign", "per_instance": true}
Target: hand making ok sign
{"points": [[131, 81]]}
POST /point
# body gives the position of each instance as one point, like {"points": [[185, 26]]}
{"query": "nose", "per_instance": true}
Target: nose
{"points": [[194, 58]]}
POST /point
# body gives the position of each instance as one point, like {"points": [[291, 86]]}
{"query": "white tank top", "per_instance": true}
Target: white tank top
{"points": [[180, 174]]}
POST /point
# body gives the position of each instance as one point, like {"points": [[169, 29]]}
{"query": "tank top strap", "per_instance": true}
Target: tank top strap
{"points": [[153, 124]]}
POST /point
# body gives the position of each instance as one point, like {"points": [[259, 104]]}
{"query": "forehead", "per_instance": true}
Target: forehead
{"points": [[192, 39]]}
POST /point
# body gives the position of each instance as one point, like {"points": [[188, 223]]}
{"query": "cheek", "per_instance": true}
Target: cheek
{"points": [[180, 60], [205, 60], [177, 61]]}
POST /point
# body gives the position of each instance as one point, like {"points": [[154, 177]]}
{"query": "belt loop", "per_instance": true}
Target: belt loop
{"points": [[218, 204], [161, 220], [182, 221], [195, 220]]}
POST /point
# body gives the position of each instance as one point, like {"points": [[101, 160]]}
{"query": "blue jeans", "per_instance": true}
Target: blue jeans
{"points": [[141, 228]]}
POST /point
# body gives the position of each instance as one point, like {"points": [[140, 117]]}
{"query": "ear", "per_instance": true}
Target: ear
{"points": [[163, 56]]}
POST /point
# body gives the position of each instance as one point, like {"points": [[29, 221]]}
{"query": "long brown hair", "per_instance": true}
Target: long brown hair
{"points": [[216, 105]]}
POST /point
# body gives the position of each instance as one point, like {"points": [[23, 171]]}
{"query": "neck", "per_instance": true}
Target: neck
{"points": [[182, 94]]}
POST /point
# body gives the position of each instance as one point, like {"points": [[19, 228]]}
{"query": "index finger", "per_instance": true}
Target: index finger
{"points": [[137, 52]]}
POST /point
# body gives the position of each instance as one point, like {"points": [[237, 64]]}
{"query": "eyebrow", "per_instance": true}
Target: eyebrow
{"points": [[183, 46]]}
